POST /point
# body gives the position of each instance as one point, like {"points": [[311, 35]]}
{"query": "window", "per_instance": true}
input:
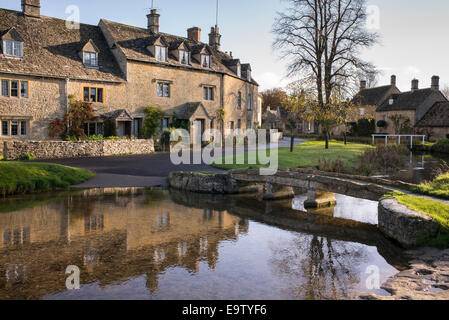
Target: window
{"points": [[250, 102], [15, 89], [205, 60], [184, 57], [164, 123], [13, 48], [24, 89], [90, 59], [239, 100], [163, 90], [248, 125], [239, 71], [249, 75], [93, 128], [14, 128], [391, 101], [362, 111], [208, 93], [239, 124], [93, 95], [23, 128], [161, 53], [231, 125], [5, 128], [5, 88]]}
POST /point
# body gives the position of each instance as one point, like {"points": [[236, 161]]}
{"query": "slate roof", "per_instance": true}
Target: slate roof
{"points": [[437, 116], [50, 49], [374, 96], [133, 41], [410, 100], [190, 108]]}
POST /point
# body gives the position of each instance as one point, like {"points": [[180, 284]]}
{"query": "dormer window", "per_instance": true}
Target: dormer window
{"points": [[391, 101], [161, 53], [13, 48], [184, 57], [249, 75], [205, 60], [90, 59]]}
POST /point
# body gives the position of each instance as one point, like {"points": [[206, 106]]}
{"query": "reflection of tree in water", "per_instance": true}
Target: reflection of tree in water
{"points": [[317, 267]]}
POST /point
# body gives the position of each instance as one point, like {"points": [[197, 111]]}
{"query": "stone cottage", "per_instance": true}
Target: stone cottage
{"points": [[398, 112], [120, 69]]}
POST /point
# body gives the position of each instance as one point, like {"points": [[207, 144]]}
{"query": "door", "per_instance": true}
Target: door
{"points": [[199, 126], [121, 129]]}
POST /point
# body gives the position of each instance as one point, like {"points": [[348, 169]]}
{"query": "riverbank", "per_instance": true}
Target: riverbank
{"points": [[31, 177]]}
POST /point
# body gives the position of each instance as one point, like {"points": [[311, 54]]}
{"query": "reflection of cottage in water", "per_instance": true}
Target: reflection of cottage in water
{"points": [[109, 242]]}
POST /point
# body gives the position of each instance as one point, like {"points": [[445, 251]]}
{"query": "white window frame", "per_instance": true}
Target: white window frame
{"points": [[205, 60], [16, 48], [184, 55], [90, 59], [160, 53], [163, 93]]}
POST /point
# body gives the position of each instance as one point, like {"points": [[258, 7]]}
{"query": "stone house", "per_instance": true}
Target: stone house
{"points": [[398, 112], [435, 123], [277, 119], [120, 69]]}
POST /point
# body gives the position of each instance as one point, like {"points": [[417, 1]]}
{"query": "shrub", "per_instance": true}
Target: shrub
{"points": [[180, 123], [152, 123], [382, 124], [441, 146], [365, 127], [383, 159], [71, 138], [331, 165], [96, 138], [113, 138], [57, 128], [27, 157]]}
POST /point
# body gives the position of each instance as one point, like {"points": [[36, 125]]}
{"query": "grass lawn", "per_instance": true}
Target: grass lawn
{"points": [[306, 154], [439, 187], [437, 210], [29, 177]]}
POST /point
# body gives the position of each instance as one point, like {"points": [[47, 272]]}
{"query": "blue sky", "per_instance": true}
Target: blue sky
{"points": [[414, 33]]}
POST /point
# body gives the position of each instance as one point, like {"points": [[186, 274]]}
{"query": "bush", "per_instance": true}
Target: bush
{"points": [[96, 138], [383, 159], [336, 166], [441, 146], [152, 123], [382, 124], [365, 127], [27, 157]]}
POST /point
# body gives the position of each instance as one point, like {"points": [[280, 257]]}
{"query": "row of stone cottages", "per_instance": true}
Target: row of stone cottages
{"points": [[418, 111], [120, 69]]}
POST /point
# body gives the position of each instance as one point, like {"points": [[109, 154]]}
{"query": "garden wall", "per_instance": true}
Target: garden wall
{"points": [[15, 150]]}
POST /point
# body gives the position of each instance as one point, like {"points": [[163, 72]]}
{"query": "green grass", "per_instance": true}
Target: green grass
{"points": [[26, 177], [439, 187], [306, 154], [435, 209]]}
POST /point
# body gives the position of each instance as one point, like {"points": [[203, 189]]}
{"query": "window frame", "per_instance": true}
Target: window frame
{"points": [[161, 92], [97, 124], [88, 62], [239, 100], [206, 61], [3, 128], [97, 95], [18, 90], [8, 125], [208, 93], [158, 53], [184, 54], [249, 102], [15, 45]]}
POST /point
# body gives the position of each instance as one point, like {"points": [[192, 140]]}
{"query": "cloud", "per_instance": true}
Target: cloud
{"points": [[412, 71]]}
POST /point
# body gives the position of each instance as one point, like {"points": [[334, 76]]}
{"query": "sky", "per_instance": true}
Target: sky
{"points": [[413, 33]]}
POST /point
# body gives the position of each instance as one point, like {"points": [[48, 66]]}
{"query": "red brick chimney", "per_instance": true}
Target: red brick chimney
{"points": [[194, 34]]}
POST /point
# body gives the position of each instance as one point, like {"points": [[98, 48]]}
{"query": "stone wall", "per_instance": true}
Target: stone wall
{"points": [[404, 225], [14, 150], [220, 183]]}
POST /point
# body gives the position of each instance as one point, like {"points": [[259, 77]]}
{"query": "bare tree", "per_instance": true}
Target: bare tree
{"points": [[322, 40], [445, 91]]}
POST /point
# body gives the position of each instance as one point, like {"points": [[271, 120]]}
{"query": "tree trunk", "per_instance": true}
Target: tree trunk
{"points": [[327, 139], [292, 142], [346, 138]]}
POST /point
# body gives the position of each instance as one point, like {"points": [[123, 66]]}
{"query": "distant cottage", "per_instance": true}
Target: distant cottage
{"points": [[120, 69]]}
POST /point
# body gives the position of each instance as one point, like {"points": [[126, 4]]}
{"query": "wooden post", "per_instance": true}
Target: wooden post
{"points": [[423, 140], [386, 140], [373, 140], [399, 139]]}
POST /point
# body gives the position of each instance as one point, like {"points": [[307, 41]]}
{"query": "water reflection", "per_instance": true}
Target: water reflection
{"points": [[421, 168], [159, 244]]}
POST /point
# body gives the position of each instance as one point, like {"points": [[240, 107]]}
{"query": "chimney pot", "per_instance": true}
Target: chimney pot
{"points": [[435, 83], [153, 21], [31, 8], [415, 84], [362, 84], [393, 80], [194, 34]]}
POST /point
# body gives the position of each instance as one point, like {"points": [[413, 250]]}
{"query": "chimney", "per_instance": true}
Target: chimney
{"points": [[153, 21], [435, 83], [362, 84], [393, 80], [194, 34], [415, 84], [31, 8], [214, 38]]}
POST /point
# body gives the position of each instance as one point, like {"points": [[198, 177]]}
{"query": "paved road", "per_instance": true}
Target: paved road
{"points": [[134, 170]]}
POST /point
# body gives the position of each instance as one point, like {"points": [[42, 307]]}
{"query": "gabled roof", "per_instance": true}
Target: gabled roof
{"points": [[437, 116], [90, 46], [118, 115], [12, 34], [51, 49], [374, 96], [133, 42], [410, 100], [191, 108]]}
